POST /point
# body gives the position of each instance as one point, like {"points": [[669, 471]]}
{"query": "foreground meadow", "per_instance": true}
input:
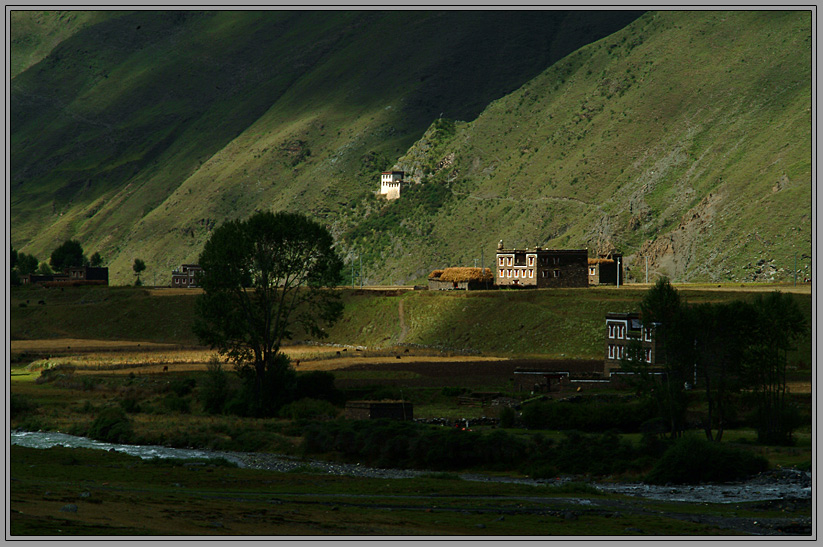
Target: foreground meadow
{"points": [[64, 379]]}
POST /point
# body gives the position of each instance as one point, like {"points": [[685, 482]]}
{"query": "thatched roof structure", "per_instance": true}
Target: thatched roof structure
{"points": [[600, 261], [459, 275]]}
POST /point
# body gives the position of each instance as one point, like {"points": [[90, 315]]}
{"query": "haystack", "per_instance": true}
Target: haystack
{"points": [[461, 275]]}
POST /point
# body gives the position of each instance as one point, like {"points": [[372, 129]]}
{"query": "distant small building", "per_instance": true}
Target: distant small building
{"points": [[374, 410], [606, 269], [88, 273], [186, 276], [461, 279], [541, 268], [39, 279], [622, 329], [390, 184], [83, 275]]}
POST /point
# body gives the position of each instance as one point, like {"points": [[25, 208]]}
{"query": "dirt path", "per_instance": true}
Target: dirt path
{"points": [[404, 329]]}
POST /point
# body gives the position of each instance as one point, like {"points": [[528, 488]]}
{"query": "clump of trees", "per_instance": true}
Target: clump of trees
{"points": [[262, 278], [67, 255], [721, 349]]}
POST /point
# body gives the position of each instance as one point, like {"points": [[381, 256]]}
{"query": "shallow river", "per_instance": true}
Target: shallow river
{"points": [[776, 485]]}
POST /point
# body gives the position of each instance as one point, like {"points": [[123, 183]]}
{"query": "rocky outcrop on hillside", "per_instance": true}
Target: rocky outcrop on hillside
{"points": [[672, 253]]}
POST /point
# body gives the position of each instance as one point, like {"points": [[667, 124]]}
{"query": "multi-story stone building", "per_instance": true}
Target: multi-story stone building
{"points": [[186, 276], [541, 268], [622, 329]]}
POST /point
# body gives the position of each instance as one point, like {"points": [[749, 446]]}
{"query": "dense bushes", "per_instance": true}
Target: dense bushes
{"points": [[111, 425], [591, 416], [404, 444], [282, 388], [692, 460], [20, 405], [308, 409], [317, 385]]}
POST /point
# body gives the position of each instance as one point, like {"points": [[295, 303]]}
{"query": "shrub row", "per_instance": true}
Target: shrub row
{"points": [[594, 416], [385, 443]]}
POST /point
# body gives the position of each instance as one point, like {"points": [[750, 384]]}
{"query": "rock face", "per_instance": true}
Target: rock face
{"points": [[671, 254]]}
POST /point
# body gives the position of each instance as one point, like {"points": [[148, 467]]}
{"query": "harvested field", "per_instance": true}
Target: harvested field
{"points": [[61, 345], [468, 372]]}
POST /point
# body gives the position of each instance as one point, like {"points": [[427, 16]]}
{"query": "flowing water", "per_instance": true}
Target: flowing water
{"points": [[775, 485]]}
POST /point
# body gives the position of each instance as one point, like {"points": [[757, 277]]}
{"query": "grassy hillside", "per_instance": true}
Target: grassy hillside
{"points": [[556, 324], [684, 139], [139, 132]]}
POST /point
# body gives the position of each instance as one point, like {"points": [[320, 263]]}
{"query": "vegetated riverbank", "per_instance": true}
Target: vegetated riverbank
{"points": [[778, 484], [749, 507]]}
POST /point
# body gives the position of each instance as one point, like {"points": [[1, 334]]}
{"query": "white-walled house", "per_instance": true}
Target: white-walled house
{"points": [[390, 182]]}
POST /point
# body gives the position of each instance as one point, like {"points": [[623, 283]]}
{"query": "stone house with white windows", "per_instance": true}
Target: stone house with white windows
{"points": [[186, 276], [624, 328], [541, 268]]}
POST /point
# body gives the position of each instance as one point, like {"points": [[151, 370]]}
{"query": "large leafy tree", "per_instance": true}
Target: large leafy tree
{"points": [[716, 338], [779, 323], [68, 255], [262, 277], [26, 264], [139, 266], [662, 311]]}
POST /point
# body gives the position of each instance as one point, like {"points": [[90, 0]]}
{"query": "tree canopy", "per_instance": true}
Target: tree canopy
{"points": [[720, 348], [68, 255], [262, 278]]}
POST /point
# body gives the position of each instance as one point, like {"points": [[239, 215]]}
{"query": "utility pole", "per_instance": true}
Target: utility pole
{"points": [[483, 269], [619, 272]]}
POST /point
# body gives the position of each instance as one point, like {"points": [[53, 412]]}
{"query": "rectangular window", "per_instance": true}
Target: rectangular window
{"points": [[508, 273], [648, 334], [591, 271], [516, 273], [648, 355], [621, 329], [531, 274], [502, 273], [531, 261], [500, 261], [557, 273], [611, 330]]}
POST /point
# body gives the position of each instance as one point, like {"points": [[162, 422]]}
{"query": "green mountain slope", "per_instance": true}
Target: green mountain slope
{"points": [[138, 132], [683, 140]]}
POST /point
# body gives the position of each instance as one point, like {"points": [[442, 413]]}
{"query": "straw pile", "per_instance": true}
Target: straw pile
{"points": [[459, 275]]}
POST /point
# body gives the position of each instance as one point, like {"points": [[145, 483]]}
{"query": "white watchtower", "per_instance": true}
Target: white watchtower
{"points": [[390, 182]]}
